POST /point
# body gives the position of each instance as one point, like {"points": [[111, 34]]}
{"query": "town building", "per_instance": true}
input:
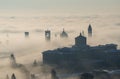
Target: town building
{"points": [[64, 34], [82, 53]]}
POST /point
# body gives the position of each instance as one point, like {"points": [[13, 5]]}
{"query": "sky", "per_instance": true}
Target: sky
{"points": [[59, 6]]}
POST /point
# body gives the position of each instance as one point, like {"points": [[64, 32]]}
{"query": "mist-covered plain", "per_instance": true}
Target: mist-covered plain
{"points": [[106, 29]]}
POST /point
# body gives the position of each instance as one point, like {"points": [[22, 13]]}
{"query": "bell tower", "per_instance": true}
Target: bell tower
{"points": [[89, 30]]}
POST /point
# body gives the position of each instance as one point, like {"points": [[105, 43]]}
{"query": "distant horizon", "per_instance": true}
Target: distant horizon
{"points": [[61, 7]]}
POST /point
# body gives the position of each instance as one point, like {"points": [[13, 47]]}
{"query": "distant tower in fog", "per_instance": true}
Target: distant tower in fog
{"points": [[89, 30], [26, 34], [47, 34], [13, 76], [64, 34], [13, 60]]}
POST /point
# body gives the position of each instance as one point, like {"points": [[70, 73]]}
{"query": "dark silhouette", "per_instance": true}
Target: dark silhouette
{"points": [[35, 63], [47, 34], [26, 34], [53, 74], [13, 60], [64, 34], [89, 30], [81, 55], [33, 76], [81, 41], [13, 76]]}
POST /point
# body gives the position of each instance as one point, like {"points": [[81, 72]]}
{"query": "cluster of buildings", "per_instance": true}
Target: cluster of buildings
{"points": [[79, 54], [82, 53], [63, 34]]}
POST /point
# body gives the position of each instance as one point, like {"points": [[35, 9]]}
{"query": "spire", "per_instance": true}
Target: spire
{"points": [[90, 27], [90, 30]]}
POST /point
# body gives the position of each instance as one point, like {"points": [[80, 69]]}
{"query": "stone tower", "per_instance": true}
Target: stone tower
{"points": [[47, 34], [89, 30]]}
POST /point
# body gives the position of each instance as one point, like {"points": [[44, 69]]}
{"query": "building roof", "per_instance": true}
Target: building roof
{"points": [[64, 34], [80, 36]]}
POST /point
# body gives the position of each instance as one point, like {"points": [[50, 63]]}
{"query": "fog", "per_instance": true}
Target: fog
{"points": [[26, 50]]}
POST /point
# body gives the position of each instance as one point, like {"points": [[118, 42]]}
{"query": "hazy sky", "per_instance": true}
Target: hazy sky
{"points": [[59, 6]]}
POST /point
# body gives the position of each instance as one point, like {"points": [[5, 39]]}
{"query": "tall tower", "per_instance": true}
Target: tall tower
{"points": [[13, 60], [89, 30], [47, 34]]}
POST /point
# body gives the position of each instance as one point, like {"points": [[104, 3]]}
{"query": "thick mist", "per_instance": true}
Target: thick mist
{"points": [[26, 50]]}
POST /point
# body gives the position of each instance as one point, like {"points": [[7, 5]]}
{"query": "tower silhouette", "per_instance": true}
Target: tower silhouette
{"points": [[13, 60], [47, 34], [13, 76], [26, 34], [89, 30]]}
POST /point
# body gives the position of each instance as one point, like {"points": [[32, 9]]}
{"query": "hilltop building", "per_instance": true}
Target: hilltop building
{"points": [[89, 30], [81, 53], [80, 41], [64, 34]]}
